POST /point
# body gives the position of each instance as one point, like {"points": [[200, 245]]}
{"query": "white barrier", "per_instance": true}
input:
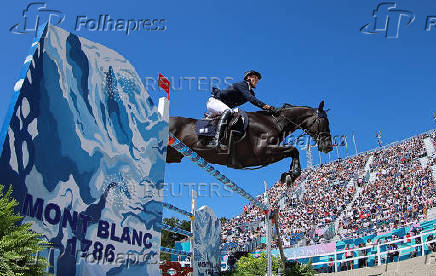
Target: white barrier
{"points": [[377, 255]]}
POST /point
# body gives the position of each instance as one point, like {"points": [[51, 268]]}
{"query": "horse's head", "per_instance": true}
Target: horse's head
{"points": [[317, 126]]}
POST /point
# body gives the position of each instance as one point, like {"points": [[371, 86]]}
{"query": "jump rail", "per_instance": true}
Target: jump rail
{"points": [[199, 161], [176, 230], [178, 210], [175, 252]]}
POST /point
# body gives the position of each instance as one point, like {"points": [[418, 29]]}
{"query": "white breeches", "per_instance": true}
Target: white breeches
{"points": [[216, 106]]}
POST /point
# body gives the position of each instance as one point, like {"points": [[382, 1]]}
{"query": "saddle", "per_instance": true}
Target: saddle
{"points": [[233, 132], [237, 124]]}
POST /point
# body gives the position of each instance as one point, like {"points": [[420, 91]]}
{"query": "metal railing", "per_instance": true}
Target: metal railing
{"points": [[378, 255]]}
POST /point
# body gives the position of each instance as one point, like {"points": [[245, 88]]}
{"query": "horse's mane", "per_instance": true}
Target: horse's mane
{"points": [[284, 106], [288, 106]]}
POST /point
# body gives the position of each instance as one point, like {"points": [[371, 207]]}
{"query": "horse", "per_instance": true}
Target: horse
{"points": [[261, 144]]}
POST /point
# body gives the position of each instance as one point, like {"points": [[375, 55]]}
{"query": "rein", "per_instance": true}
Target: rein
{"points": [[299, 126]]}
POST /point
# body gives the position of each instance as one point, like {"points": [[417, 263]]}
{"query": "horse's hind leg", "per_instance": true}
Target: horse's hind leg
{"points": [[173, 156]]}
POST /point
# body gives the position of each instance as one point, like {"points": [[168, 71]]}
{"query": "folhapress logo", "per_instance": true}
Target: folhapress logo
{"points": [[106, 24], [35, 15], [388, 20]]}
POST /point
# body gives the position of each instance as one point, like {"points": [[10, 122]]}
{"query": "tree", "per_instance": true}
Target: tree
{"points": [[250, 265], [298, 269], [19, 245], [223, 220], [168, 239]]}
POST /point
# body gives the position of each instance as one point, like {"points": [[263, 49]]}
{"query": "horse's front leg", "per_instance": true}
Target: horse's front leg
{"points": [[275, 154], [294, 169]]}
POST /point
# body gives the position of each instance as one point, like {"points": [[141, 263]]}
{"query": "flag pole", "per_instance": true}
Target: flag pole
{"points": [[268, 233], [354, 142], [320, 160], [346, 146]]}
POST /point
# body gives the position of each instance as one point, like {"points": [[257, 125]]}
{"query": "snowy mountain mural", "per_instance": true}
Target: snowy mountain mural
{"points": [[84, 147], [207, 241]]}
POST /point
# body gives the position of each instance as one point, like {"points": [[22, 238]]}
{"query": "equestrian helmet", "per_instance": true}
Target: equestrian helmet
{"points": [[250, 73]]}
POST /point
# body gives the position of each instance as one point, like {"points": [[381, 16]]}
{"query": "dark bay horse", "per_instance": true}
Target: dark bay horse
{"points": [[261, 144]]}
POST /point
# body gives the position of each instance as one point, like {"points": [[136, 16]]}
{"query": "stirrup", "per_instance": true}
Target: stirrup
{"points": [[222, 147], [218, 146], [213, 143]]}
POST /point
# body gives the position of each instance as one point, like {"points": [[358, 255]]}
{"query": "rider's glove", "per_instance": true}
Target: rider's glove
{"points": [[274, 110]]}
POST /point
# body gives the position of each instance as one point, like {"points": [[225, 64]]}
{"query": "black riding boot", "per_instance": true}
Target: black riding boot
{"points": [[215, 142]]}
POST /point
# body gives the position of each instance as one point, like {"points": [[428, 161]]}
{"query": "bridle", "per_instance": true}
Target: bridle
{"points": [[319, 134], [298, 126]]}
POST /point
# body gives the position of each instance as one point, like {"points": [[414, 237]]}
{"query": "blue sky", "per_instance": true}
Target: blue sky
{"points": [[307, 51]]}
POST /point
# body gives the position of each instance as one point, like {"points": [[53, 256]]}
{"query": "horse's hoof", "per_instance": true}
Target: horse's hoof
{"points": [[296, 172], [289, 181], [295, 175]]}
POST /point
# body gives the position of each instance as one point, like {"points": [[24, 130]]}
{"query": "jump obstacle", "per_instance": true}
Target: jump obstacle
{"points": [[178, 145]]}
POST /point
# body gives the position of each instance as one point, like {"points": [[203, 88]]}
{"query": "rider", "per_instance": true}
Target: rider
{"points": [[222, 101]]}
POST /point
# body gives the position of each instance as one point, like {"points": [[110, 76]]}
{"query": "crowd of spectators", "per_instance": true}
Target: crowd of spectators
{"points": [[400, 193], [396, 189], [327, 194]]}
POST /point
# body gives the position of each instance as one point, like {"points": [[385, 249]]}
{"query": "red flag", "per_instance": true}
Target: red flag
{"points": [[171, 141], [164, 84]]}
